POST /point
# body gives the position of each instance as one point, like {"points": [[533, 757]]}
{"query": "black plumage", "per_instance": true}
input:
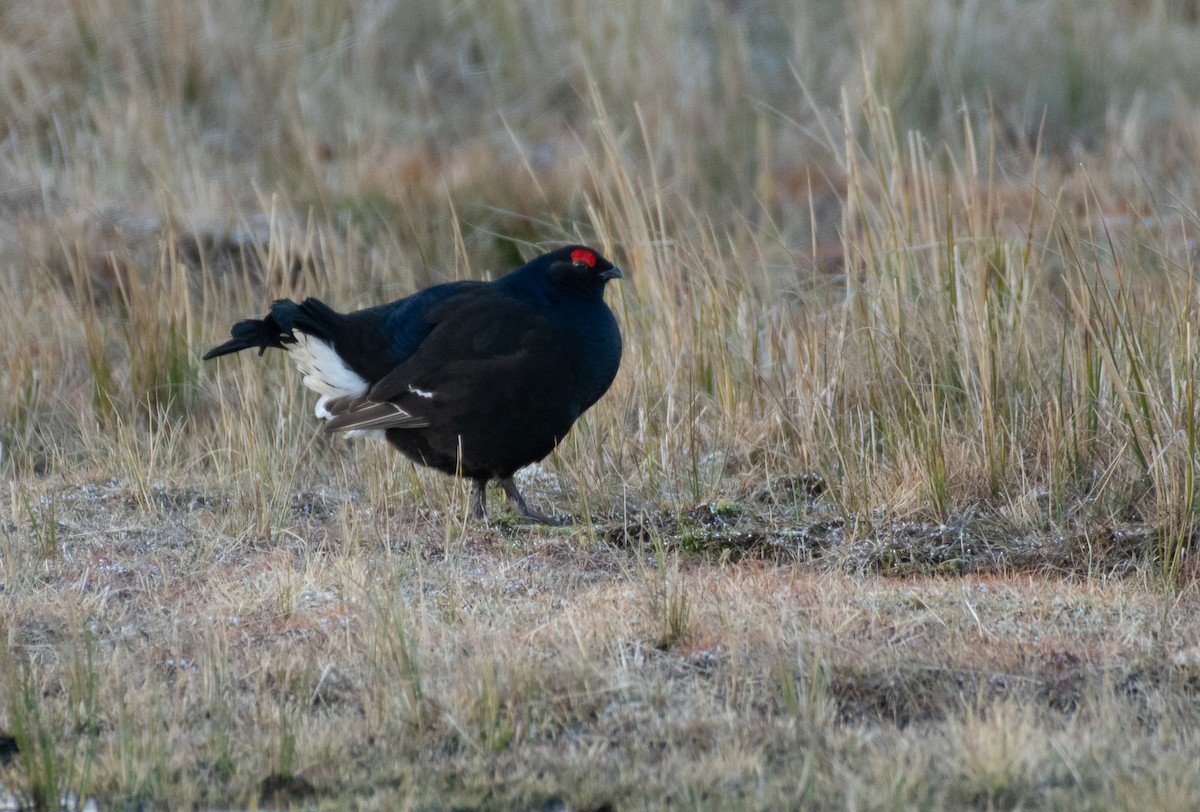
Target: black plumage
{"points": [[477, 379]]}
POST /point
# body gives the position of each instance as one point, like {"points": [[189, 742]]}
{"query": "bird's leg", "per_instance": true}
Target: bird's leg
{"points": [[519, 505], [479, 499]]}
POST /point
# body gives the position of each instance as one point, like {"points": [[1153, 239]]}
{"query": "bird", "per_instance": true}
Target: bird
{"points": [[473, 378]]}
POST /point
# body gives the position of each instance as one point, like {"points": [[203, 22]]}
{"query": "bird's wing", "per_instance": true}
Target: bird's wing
{"points": [[485, 326], [483, 349], [373, 341], [472, 347], [361, 413]]}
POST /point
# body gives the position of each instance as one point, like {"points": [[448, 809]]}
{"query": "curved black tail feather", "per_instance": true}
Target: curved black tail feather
{"points": [[275, 329], [261, 333]]}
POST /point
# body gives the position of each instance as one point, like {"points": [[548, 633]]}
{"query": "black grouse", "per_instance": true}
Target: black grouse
{"points": [[472, 378]]}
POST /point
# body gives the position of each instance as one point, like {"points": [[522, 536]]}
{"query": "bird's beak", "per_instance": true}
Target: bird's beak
{"points": [[612, 273]]}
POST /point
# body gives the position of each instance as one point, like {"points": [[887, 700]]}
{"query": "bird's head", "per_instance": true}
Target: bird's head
{"points": [[577, 267]]}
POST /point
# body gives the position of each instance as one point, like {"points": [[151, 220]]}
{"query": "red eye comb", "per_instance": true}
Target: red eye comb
{"points": [[585, 256]]}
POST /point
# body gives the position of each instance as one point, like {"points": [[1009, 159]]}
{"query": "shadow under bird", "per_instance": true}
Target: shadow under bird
{"points": [[476, 379]]}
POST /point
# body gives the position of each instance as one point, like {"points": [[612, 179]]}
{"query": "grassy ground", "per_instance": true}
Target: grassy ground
{"points": [[892, 505]]}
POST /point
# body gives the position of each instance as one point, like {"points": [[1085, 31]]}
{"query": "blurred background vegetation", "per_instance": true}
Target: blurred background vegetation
{"points": [[389, 113]]}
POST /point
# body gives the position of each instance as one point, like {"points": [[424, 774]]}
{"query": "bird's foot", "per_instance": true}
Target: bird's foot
{"points": [[479, 500], [523, 509]]}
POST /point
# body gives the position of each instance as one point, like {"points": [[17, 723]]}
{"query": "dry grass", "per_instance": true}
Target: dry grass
{"points": [[892, 505]]}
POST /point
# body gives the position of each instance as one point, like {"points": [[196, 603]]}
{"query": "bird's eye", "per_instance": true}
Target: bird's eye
{"points": [[583, 258]]}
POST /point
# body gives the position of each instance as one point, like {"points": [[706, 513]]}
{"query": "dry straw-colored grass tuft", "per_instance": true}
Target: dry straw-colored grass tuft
{"points": [[892, 505]]}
